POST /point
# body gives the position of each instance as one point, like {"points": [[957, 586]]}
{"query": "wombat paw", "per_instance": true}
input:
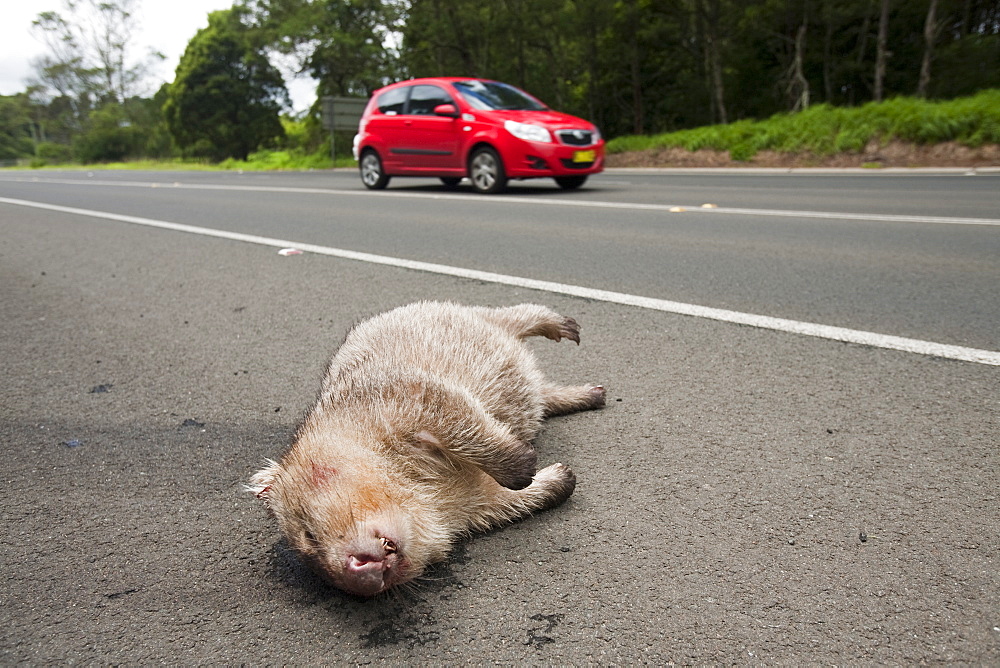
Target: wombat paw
{"points": [[557, 481], [569, 329], [598, 396]]}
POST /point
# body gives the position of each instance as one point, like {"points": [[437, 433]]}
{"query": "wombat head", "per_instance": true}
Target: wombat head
{"points": [[344, 524]]}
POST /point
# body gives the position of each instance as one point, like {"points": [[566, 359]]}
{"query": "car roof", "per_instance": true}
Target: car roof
{"points": [[438, 80]]}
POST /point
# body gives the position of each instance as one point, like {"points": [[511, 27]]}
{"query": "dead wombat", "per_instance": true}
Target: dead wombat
{"points": [[422, 432]]}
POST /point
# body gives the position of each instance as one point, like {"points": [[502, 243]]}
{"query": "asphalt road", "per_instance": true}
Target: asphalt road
{"points": [[748, 496]]}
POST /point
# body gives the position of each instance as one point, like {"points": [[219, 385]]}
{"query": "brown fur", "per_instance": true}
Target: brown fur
{"points": [[422, 433]]}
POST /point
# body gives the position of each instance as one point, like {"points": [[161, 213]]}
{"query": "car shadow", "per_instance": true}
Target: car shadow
{"points": [[525, 189]]}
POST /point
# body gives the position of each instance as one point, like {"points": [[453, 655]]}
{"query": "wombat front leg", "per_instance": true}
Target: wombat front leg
{"points": [[526, 320], [456, 422], [501, 456], [550, 487]]}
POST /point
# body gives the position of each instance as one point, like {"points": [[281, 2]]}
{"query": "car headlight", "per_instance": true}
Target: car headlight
{"points": [[528, 132]]}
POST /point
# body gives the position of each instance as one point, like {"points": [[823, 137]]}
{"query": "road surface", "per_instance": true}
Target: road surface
{"points": [[762, 487]]}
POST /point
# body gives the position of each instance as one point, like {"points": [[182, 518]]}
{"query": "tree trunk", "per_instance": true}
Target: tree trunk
{"points": [[632, 21], [798, 85], [881, 51], [718, 92], [862, 49], [709, 17], [827, 60], [637, 112], [930, 34]]}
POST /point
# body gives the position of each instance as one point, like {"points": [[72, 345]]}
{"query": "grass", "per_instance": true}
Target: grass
{"points": [[255, 162], [824, 130]]}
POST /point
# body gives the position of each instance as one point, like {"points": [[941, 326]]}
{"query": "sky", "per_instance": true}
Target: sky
{"points": [[165, 26]]}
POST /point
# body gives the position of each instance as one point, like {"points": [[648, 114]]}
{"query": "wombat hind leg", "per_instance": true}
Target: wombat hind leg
{"points": [[559, 400], [549, 488], [526, 320]]}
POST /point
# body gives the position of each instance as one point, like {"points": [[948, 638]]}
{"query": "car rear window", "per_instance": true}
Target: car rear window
{"points": [[391, 102], [424, 98]]}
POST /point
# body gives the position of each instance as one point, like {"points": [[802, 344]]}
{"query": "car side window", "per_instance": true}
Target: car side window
{"points": [[424, 98], [392, 101]]}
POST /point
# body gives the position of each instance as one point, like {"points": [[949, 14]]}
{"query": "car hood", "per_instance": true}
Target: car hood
{"points": [[554, 120]]}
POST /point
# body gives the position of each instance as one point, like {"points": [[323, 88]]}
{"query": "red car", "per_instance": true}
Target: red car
{"points": [[485, 130]]}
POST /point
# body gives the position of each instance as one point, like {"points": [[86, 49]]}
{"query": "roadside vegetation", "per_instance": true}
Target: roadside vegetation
{"points": [[829, 76], [824, 130], [821, 130]]}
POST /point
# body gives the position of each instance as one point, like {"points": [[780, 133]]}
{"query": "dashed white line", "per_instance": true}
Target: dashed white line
{"points": [[673, 209], [860, 337]]}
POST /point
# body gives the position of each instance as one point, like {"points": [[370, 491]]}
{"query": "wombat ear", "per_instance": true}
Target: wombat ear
{"points": [[427, 440], [261, 481], [429, 448]]}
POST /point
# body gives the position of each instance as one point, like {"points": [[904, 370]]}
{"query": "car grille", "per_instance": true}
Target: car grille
{"points": [[576, 137]]}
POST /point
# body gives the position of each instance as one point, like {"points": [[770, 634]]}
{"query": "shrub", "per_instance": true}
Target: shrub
{"points": [[825, 130]]}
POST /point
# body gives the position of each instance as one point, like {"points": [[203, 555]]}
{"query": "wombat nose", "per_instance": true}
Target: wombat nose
{"points": [[365, 574], [366, 563]]}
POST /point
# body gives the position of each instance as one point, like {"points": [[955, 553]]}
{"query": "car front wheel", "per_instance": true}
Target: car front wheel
{"points": [[372, 174], [486, 171]]}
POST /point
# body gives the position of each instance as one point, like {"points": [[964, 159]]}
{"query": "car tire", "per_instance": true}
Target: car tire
{"points": [[451, 181], [486, 171], [570, 182], [372, 173]]}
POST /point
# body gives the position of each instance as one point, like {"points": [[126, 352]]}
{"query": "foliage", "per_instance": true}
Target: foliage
{"points": [[638, 66], [50, 153], [634, 67], [226, 98], [825, 130], [109, 138], [344, 44], [294, 159], [15, 123]]}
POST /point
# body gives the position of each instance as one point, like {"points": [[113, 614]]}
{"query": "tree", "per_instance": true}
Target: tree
{"points": [[90, 50], [227, 97], [345, 44]]}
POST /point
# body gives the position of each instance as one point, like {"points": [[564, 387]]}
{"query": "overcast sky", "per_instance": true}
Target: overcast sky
{"points": [[166, 26]]}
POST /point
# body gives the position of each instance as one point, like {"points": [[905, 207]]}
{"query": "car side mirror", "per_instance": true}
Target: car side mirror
{"points": [[449, 110]]}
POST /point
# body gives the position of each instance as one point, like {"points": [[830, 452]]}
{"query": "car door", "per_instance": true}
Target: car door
{"points": [[387, 128], [431, 142]]}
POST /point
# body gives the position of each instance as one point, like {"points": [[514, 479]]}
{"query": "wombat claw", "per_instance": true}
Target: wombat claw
{"points": [[569, 329]]}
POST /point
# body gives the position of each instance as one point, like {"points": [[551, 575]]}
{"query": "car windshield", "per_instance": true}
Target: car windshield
{"points": [[493, 95]]}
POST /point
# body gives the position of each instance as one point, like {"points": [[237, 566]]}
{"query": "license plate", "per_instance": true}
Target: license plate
{"points": [[584, 156]]}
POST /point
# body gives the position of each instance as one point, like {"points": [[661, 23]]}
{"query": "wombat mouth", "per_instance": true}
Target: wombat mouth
{"points": [[372, 569]]}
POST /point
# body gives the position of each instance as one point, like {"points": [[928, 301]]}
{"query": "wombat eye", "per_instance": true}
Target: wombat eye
{"points": [[309, 538]]}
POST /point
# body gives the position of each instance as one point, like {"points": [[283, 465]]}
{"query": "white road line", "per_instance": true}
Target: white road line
{"points": [[673, 209], [761, 321]]}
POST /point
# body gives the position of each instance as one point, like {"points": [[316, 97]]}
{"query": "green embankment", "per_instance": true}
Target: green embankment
{"points": [[824, 130]]}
